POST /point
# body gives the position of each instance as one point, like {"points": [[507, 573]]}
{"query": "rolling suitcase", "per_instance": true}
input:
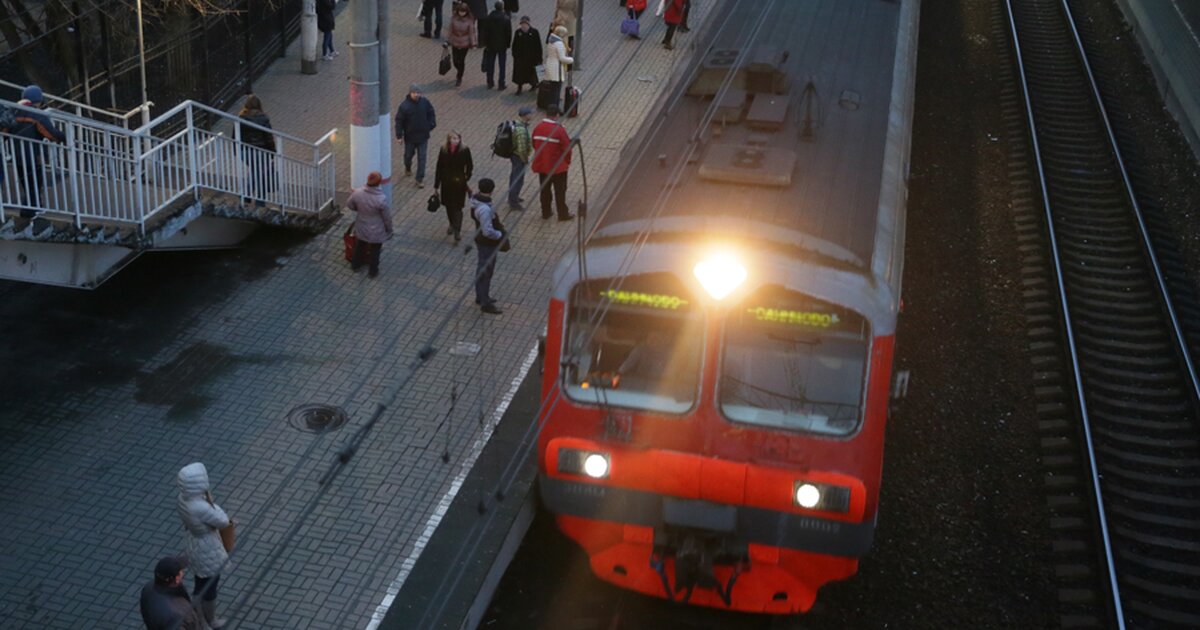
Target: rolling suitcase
{"points": [[547, 94], [571, 101]]}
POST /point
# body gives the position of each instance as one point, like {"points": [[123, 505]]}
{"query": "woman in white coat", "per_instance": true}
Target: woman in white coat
{"points": [[202, 521], [555, 62]]}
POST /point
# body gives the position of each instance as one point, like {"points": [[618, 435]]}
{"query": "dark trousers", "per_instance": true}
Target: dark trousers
{"points": [[201, 582], [687, 9], [670, 34], [455, 216], [420, 150], [31, 180], [327, 43], [556, 186], [484, 268], [516, 180], [459, 56], [489, 65], [366, 254], [433, 8]]}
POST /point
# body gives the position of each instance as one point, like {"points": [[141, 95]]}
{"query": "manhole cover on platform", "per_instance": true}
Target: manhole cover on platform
{"points": [[317, 418]]}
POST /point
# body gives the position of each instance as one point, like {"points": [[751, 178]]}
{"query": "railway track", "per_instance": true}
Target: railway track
{"points": [[1117, 390]]}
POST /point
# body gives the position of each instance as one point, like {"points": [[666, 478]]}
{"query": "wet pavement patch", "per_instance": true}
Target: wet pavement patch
{"points": [[317, 418]]}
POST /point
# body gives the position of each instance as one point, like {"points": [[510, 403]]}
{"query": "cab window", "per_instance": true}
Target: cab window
{"points": [[638, 345], [794, 362]]}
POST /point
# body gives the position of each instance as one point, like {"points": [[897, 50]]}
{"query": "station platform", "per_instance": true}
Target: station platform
{"points": [[216, 357], [1169, 32]]}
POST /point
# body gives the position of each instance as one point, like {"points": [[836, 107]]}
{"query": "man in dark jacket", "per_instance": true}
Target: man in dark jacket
{"points": [[414, 121], [495, 33], [488, 241], [33, 127], [165, 603], [432, 11]]}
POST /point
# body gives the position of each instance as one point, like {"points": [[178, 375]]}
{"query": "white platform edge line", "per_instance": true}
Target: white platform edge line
{"points": [[443, 505]]}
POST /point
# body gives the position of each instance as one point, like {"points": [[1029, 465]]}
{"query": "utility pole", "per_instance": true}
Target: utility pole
{"points": [[364, 90], [578, 35], [308, 38], [385, 103]]}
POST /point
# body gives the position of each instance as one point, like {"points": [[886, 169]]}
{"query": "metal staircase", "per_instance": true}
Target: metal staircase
{"points": [[73, 213]]}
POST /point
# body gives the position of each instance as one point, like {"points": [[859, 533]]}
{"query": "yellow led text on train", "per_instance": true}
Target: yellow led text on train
{"points": [[799, 318], [653, 300]]}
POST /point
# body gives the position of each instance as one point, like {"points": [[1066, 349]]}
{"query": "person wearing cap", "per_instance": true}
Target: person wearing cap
{"points": [[496, 34], [165, 603], [33, 127], [551, 159], [522, 151], [415, 120], [202, 522], [526, 54], [372, 225], [462, 37], [488, 242], [555, 61]]}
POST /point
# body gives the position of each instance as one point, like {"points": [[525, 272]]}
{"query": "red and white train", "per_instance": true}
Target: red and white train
{"points": [[721, 366]]}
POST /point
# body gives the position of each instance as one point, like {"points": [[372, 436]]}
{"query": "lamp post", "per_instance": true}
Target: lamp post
{"points": [[142, 63]]}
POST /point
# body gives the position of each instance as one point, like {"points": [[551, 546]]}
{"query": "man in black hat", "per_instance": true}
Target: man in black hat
{"points": [[165, 601]]}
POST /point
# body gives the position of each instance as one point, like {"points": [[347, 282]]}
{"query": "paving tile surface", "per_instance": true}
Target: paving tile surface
{"points": [[93, 441]]}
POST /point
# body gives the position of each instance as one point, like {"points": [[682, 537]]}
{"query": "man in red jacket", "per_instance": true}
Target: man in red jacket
{"points": [[551, 159]]}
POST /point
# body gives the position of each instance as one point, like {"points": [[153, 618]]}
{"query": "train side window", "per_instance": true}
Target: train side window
{"points": [[794, 362], [639, 346]]}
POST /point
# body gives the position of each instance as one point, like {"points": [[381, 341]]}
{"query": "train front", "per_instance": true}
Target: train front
{"points": [[713, 419]]}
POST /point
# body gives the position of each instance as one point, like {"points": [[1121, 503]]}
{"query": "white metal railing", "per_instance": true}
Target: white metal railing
{"points": [[109, 175], [127, 119]]}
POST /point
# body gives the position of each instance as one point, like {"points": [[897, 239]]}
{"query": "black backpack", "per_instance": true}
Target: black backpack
{"points": [[502, 145]]}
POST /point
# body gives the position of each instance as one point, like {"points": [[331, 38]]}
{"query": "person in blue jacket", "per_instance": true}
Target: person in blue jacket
{"points": [[33, 127], [415, 120]]}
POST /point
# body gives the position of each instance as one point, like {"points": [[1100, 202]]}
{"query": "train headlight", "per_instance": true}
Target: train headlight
{"points": [[720, 274], [821, 496], [574, 461]]}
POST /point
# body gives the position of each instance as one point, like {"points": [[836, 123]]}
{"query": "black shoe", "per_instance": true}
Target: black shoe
{"points": [[355, 267], [516, 205], [668, 46], [374, 273], [518, 88], [502, 87], [457, 237], [546, 216], [458, 82], [425, 35], [566, 217], [684, 29], [491, 309], [449, 231]]}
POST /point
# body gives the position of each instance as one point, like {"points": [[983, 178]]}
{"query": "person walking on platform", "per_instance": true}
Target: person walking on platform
{"points": [[522, 150], [673, 17], [33, 127], [490, 239], [372, 224], [325, 24], [555, 62], [260, 165], [165, 604], [415, 120], [202, 521], [496, 34], [551, 159], [462, 37], [432, 10], [451, 178], [526, 54], [634, 9]]}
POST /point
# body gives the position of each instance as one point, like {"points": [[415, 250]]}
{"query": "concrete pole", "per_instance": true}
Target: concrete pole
{"points": [[578, 35], [364, 91], [308, 38], [385, 103]]}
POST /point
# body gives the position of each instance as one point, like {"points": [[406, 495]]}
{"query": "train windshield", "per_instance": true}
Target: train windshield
{"points": [[638, 345], [794, 362]]}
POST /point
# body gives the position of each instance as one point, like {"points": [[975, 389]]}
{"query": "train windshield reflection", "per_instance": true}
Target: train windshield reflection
{"points": [[638, 346], [794, 362]]}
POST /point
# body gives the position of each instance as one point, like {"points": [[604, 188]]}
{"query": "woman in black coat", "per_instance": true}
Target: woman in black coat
{"points": [[526, 54], [325, 24], [260, 165], [454, 167]]}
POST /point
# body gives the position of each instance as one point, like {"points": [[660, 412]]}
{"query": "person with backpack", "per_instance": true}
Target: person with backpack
{"points": [[489, 241], [526, 54], [496, 34], [32, 127], [513, 142], [450, 179]]}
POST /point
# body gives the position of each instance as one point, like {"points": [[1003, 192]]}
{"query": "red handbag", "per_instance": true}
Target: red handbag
{"points": [[349, 240]]}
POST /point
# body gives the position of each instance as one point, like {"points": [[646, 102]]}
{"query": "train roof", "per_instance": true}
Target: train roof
{"points": [[808, 142]]}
